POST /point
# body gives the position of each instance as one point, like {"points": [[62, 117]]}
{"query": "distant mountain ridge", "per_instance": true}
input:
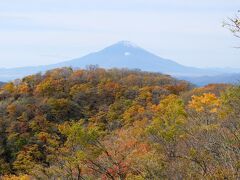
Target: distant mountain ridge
{"points": [[231, 78], [1, 83], [123, 54]]}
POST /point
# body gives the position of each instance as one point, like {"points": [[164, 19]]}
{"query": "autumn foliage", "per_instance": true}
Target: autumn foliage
{"points": [[117, 124]]}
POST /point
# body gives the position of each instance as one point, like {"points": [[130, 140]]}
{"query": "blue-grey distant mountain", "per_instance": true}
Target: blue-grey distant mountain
{"points": [[1, 83], [233, 78], [123, 54]]}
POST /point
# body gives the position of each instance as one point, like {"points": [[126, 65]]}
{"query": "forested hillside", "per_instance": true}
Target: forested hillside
{"points": [[117, 124]]}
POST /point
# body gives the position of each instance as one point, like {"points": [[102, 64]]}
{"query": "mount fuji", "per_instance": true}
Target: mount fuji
{"points": [[123, 54]]}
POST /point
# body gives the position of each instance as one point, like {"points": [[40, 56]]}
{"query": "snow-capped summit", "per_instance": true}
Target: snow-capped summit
{"points": [[127, 44], [122, 46]]}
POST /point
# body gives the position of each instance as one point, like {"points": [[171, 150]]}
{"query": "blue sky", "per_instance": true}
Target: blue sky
{"points": [[50, 31]]}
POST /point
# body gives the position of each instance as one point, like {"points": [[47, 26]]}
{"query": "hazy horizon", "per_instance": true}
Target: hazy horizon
{"points": [[48, 32]]}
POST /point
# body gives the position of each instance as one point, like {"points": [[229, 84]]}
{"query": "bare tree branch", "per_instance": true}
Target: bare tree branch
{"points": [[233, 24]]}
